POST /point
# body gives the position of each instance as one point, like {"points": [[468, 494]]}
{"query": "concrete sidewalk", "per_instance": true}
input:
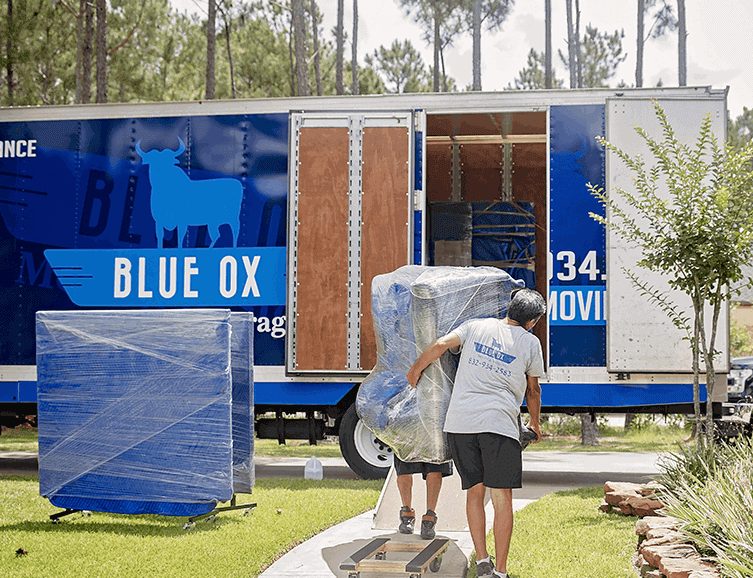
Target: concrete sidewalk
{"points": [[544, 473]]}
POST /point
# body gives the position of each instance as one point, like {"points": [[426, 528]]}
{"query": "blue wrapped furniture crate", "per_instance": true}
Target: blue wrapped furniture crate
{"points": [[134, 410]]}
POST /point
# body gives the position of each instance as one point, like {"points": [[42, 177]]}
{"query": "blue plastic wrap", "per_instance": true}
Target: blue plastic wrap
{"points": [[134, 410], [242, 365], [504, 236], [413, 306]]}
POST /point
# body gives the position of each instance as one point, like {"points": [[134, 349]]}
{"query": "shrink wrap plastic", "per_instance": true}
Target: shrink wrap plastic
{"points": [[135, 409], [242, 404], [412, 307]]}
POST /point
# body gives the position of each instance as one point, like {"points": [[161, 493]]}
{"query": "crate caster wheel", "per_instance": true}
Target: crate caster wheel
{"points": [[353, 574], [380, 556], [436, 564], [85, 513], [415, 576], [211, 519], [248, 511], [188, 525], [55, 521]]}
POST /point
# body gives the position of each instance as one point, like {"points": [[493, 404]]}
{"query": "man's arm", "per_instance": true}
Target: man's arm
{"points": [[431, 354], [533, 402]]}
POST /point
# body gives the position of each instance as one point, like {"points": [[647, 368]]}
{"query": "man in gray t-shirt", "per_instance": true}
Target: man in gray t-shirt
{"points": [[500, 365]]}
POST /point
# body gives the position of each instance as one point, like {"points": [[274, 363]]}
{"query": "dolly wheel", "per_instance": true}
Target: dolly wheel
{"points": [[436, 564]]}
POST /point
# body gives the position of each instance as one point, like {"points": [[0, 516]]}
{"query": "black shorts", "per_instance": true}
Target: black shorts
{"points": [[402, 468], [487, 458]]}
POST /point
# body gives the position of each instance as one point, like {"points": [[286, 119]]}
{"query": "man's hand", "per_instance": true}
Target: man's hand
{"points": [[413, 376], [536, 428], [430, 355]]}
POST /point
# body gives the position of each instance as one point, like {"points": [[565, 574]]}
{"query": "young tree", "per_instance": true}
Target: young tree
{"points": [[399, 63], [534, 75], [691, 218], [740, 131], [442, 21], [601, 54]]}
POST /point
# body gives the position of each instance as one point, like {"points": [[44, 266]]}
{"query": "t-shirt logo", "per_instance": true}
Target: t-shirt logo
{"points": [[494, 351]]}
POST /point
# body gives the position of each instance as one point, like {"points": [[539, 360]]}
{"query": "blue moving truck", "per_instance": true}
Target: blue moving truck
{"points": [[287, 208]]}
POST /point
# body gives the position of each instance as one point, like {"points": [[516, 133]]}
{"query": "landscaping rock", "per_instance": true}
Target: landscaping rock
{"points": [[631, 499], [663, 552]]}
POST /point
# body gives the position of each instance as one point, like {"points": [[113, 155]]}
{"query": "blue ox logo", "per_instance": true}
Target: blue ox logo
{"points": [[177, 202]]}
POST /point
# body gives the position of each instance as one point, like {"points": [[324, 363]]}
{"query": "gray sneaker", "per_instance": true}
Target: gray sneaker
{"points": [[428, 522], [485, 569], [407, 519]]}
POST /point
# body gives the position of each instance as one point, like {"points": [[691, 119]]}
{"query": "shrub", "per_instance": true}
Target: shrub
{"points": [[710, 490]]}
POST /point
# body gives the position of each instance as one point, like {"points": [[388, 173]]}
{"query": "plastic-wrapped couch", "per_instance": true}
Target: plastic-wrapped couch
{"points": [[136, 409], [412, 306]]}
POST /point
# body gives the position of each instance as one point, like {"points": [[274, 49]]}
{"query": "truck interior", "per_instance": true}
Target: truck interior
{"points": [[486, 191]]}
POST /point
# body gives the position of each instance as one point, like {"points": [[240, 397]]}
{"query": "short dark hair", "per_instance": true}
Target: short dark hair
{"points": [[526, 305]]}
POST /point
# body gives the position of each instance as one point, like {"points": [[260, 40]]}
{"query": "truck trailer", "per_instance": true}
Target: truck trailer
{"points": [[289, 207]]}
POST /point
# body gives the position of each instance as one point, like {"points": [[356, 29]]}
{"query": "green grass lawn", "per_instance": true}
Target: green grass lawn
{"points": [[559, 536], [288, 512], [565, 535]]}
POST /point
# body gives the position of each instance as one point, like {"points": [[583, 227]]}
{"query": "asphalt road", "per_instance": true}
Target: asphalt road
{"points": [[543, 472]]}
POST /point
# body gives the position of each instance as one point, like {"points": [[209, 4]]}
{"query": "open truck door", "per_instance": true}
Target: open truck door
{"points": [[641, 338], [350, 218]]}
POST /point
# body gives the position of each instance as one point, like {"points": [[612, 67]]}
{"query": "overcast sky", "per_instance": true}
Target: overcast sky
{"points": [[719, 41]]}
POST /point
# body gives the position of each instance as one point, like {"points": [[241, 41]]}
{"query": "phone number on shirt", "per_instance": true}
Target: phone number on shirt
{"points": [[489, 366]]}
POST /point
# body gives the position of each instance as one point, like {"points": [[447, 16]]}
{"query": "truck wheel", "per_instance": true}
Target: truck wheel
{"points": [[366, 454]]}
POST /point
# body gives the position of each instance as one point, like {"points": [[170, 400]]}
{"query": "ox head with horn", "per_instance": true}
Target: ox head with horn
{"points": [[166, 157]]}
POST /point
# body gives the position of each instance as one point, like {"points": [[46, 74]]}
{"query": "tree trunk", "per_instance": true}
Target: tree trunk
{"points": [[444, 72], [571, 44], [339, 86], [229, 56], [547, 43], [211, 48], [589, 430], [355, 47], [578, 64], [682, 40], [437, 40], [101, 50], [317, 59], [639, 47], [629, 419], [79, 51], [9, 54], [299, 35], [291, 55], [86, 67], [476, 17]]}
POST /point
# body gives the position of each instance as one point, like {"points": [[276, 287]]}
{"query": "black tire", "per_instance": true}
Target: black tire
{"points": [[436, 564], [366, 455]]}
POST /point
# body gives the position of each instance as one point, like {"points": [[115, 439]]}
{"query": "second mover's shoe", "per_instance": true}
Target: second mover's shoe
{"points": [[485, 569], [407, 519], [428, 522]]}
